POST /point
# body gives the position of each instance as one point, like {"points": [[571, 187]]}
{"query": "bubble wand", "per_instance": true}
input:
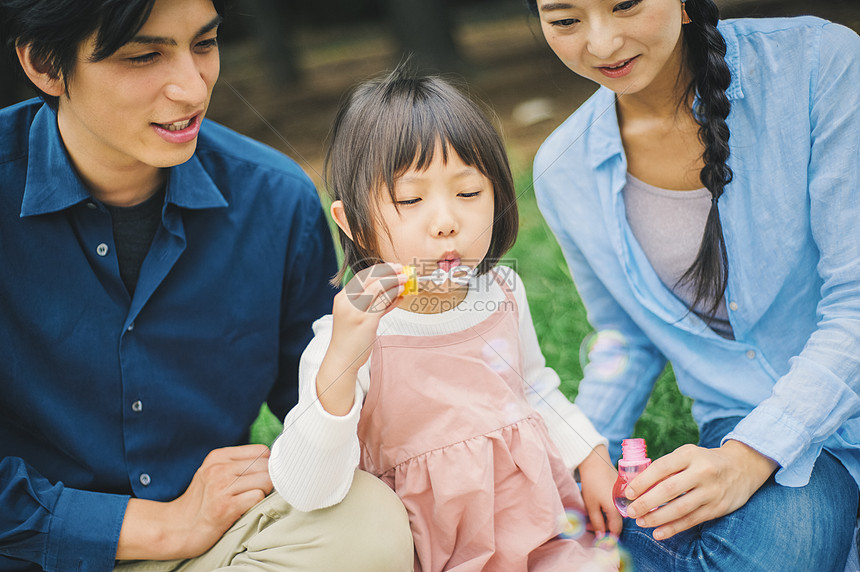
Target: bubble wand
{"points": [[457, 274]]}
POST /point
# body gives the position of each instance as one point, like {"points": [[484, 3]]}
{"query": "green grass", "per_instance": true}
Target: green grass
{"points": [[559, 319], [266, 428]]}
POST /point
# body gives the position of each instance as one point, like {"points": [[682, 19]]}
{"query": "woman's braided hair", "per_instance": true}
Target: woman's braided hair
{"points": [[704, 52]]}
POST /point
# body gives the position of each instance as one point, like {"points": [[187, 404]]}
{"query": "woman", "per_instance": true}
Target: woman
{"points": [[706, 201]]}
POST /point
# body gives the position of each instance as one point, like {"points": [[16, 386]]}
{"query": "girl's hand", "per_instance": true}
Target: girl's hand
{"points": [[597, 476], [357, 309], [692, 485]]}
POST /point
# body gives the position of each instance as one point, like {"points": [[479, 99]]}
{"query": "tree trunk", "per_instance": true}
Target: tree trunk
{"points": [[425, 31]]}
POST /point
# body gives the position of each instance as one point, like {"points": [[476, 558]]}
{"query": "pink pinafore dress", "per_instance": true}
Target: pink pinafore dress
{"points": [[446, 424]]}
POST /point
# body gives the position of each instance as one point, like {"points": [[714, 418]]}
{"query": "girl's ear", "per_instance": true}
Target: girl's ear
{"points": [[339, 215], [39, 74]]}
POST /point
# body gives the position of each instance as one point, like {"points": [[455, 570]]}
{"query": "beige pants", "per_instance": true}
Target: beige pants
{"points": [[368, 531]]}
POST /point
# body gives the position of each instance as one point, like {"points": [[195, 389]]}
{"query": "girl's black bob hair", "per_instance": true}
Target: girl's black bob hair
{"points": [[393, 123]]}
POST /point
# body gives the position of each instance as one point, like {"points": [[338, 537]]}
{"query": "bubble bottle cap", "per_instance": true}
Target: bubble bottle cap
{"points": [[634, 451]]}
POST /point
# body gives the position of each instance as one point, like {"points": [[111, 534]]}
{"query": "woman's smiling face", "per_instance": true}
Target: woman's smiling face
{"points": [[626, 46]]}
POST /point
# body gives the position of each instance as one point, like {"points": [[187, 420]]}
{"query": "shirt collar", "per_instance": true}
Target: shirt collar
{"points": [[603, 133], [53, 185], [733, 60], [191, 187]]}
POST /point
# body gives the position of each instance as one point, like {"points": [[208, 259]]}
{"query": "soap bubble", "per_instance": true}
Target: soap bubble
{"points": [[606, 542], [611, 547], [573, 524], [497, 353], [626, 560], [462, 274], [439, 277], [605, 354]]}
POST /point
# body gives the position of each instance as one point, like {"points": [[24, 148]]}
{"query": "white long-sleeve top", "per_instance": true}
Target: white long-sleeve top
{"points": [[314, 459]]}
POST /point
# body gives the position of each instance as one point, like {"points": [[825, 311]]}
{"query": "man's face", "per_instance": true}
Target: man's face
{"points": [[140, 109]]}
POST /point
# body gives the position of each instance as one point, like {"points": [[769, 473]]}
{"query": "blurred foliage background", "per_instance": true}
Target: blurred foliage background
{"points": [[286, 64]]}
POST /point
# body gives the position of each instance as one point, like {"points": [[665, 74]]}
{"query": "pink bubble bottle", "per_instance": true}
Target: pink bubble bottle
{"points": [[633, 461]]}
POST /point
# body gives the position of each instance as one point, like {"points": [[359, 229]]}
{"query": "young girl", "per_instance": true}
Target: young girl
{"points": [[717, 227], [431, 391]]}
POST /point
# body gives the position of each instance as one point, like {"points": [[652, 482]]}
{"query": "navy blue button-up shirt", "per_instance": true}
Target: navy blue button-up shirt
{"points": [[104, 395]]}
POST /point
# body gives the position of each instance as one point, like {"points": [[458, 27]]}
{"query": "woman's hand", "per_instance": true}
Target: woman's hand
{"points": [[357, 309], [597, 476], [692, 485]]}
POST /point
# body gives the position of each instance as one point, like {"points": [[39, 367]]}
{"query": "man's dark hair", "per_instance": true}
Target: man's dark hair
{"points": [[54, 29]]}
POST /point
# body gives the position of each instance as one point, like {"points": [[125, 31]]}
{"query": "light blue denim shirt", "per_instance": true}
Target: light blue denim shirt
{"points": [[792, 229]]}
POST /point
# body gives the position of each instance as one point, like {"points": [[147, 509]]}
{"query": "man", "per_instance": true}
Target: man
{"points": [[159, 278]]}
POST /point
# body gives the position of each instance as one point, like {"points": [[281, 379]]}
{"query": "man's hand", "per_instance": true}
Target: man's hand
{"points": [[692, 485], [227, 484]]}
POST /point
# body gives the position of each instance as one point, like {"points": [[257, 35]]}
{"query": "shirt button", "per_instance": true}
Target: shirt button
{"points": [[751, 354], [91, 205], [102, 249], [130, 327], [145, 480], [733, 306], [137, 406]]}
